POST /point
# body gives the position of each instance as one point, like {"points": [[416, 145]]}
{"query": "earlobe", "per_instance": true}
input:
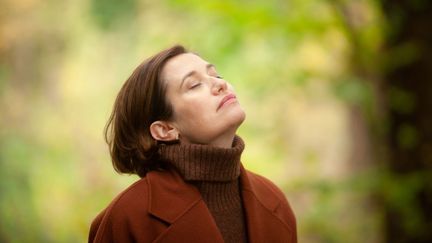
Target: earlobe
{"points": [[163, 131]]}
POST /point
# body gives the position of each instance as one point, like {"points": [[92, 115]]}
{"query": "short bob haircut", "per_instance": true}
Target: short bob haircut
{"points": [[140, 102]]}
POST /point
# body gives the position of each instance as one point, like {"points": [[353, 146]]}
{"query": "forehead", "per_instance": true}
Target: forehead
{"points": [[182, 64]]}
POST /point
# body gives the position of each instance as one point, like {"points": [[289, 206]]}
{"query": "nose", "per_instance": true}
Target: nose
{"points": [[219, 86]]}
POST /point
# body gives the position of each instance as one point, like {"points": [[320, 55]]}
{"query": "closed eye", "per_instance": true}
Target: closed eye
{"points": [[195, 85]]}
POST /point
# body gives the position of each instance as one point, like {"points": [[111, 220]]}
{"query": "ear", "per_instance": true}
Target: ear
{"points": [[163, 131]]}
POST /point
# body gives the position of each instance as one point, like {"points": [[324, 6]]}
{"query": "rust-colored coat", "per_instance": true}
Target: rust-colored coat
{"points": [[161, 207]]}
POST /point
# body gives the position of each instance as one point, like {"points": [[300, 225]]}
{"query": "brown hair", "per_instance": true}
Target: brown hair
{"points": [[140, 102]]}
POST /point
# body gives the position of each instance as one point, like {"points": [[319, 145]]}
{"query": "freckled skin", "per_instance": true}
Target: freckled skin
{"points": [[195, 100]]}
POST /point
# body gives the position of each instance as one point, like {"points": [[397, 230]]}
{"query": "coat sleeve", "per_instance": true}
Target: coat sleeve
{"points": [[95, 226]]}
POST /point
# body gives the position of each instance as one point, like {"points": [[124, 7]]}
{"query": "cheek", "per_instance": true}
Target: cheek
{"points": [[192, 114]]}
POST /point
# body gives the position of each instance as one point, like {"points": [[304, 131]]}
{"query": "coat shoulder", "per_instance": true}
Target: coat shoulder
{"points": [[261, 181], [126, 214], [123, 205]]}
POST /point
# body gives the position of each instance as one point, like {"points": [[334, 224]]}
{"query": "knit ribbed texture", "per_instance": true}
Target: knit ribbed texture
{"points": [[215, 172]]}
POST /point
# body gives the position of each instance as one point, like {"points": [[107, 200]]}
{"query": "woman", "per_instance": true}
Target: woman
{"points": [[174, 124]]}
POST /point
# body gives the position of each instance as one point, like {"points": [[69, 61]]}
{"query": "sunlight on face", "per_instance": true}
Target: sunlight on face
{"points": [[205, 106]]}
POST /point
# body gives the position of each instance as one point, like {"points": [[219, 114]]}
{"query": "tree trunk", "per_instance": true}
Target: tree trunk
{"points": [[408, 76]]}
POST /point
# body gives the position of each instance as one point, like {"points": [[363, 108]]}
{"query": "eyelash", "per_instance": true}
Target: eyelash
{"points": [[198, 84], [195, 85]]}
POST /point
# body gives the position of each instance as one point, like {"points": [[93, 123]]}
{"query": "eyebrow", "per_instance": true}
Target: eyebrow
{"points": [[193, 72]]}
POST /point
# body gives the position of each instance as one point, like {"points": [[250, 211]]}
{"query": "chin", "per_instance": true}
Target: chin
{"points": [[237, 117], [242, 117]]}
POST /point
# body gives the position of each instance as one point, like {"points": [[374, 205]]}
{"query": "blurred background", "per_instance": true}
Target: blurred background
{"points": [[337, 93]]}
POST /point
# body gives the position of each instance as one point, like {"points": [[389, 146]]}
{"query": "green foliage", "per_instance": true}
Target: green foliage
{"points": [[407, 136], [20, 221], [111, 13], [355, 91], [401, 101]]}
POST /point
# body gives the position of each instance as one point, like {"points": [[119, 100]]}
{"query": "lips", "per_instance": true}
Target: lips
{"points": [[226, 99]]}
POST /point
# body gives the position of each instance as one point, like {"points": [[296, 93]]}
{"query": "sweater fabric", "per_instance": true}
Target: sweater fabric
{"points": [[215, 172]]}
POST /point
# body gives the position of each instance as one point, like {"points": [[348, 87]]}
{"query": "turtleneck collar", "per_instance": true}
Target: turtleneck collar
{"points": [[196, 162]]}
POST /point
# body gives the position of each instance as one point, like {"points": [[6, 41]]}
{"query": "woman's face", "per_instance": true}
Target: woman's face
{"points": [[206, 109]]}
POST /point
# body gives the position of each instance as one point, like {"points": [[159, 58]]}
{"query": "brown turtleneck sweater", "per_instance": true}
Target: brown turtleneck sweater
{"points": [[215, 172]]}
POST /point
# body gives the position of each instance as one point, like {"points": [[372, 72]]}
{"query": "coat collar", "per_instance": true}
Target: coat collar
{"points": [[168, 190], [264, 211], [180, 204], [253, 185]]}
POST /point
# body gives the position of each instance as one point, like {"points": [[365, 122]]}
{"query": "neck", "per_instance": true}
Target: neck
{"points": [[223, 141]]}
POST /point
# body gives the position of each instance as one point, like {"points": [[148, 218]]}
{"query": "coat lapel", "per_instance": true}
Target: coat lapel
{"points": [[182, 208], [261, 205], [180, 205]]}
